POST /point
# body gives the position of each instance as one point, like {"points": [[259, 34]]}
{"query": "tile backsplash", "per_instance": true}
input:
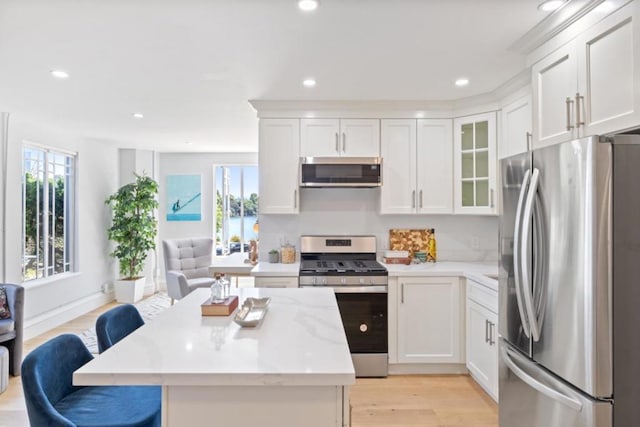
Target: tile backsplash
{"points": [[355, 212]]}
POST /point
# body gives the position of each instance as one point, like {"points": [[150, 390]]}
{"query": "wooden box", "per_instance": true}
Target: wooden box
{"points": [[220, 309]]}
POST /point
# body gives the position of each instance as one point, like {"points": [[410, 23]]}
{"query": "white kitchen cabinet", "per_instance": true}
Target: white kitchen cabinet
{"points": [[429, 326], [276, 282], [516, 127], [475, 164], [482, 336], [417, 167], [340, 137], [590, 85], [279, 148]]}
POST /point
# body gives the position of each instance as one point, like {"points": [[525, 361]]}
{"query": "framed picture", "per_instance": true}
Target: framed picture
{"points": [[184, 198]]}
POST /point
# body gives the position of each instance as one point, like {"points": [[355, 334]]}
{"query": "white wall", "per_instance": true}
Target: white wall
{"points": [[54, 301], [193, 164], [355, 211]]}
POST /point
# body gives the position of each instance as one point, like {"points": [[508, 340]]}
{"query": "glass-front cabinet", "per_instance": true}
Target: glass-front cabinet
{"points": [[475, 164]]}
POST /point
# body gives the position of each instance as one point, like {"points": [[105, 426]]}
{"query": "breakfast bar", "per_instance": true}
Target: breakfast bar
{"points": [[294, 368]]}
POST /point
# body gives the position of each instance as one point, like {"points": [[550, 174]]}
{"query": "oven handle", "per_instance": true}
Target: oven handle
{"points": [[353, 289]]}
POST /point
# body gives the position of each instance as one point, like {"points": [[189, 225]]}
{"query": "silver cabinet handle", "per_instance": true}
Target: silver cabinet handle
{"points": [[529, 140], [402, 293], [486, 330], [420, 198], [295, 198], [579, 100], [569, 102], [344, 142], [413, 199], [491, 198], [337, 143]]}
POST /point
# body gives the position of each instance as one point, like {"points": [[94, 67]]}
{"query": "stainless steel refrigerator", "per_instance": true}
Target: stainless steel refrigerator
{"points": [[570, 285]]}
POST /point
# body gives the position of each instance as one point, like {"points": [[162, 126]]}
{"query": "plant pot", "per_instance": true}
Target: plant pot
{"points": [[273, 258], [129, 291]]}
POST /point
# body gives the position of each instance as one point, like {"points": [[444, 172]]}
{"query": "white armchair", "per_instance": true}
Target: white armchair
{"points": [[186, 264]]}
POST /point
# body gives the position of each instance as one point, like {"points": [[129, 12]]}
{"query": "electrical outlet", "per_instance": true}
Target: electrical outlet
{"points": [[475, 242]]}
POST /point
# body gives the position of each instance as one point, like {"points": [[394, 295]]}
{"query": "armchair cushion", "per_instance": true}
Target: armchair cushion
{"points": [[11, 329], [5, 313]]}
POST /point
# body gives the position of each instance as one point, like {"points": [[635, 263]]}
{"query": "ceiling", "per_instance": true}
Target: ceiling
{"points": [[191, 66]]}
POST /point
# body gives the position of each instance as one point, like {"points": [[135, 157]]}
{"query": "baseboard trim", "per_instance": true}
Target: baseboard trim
{"points": [[60, 315], [427, 368]]}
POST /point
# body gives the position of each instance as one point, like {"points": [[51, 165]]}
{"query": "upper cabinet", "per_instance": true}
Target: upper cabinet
{"points": [[340, 137], [589, 86], [417, 167], [279, 145], [516, 128], [475, 164]]}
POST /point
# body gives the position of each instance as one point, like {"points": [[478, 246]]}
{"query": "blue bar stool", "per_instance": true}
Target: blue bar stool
{"points": [[53, 401]]}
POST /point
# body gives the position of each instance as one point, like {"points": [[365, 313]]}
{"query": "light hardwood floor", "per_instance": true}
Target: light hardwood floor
{"points": [[407, 400]]}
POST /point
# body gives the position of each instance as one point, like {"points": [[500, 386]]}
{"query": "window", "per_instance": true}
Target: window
{"points": [[47, 212], [236, 208]]}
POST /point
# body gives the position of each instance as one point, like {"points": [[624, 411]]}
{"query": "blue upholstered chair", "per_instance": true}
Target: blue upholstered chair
{"points": [[53, 401], [12, 327], [116, 324]]}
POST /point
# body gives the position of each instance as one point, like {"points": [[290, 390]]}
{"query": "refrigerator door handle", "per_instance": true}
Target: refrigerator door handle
{"points": [[516, 254], [527, 291], [542, 388]]}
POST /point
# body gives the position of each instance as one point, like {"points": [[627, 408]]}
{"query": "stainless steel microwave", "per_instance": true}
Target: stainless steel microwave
{"points": [[340, 171]]}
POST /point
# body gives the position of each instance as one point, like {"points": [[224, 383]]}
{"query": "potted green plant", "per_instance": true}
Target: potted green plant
{"points": [[273, 255], [133, 229]]}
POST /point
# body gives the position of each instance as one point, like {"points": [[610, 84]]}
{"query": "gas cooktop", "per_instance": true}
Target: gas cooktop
{"points": [[328, 267]]}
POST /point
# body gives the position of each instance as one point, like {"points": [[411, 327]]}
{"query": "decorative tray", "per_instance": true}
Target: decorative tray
{"points": [[252, 312]]}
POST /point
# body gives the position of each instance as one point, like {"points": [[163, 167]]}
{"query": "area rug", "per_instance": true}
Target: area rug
{"points": [[149, 308]]}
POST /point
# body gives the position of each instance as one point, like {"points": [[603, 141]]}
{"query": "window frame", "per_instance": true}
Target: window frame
{"points": [[70, 218]]}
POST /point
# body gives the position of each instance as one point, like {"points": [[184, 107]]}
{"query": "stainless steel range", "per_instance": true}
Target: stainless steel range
{"points": [[348, 265]]}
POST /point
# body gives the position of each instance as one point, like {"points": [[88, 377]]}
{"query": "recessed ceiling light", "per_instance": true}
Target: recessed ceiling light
{"points": [[550, 5], [309, 82], [462, 82], [188, 142], [420, 115], [59, 74], [308, 5], [138, 115]]}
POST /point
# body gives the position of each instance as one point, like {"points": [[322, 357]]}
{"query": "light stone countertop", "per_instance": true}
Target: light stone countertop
{"points": [[472, 270], [300, 341], [268, 269]]}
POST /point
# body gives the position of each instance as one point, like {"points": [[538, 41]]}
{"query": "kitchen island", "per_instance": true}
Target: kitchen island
{"points": [[293, 369]]}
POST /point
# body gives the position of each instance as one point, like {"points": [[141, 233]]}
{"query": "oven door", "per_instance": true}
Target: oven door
{"points": [[364, 316]]}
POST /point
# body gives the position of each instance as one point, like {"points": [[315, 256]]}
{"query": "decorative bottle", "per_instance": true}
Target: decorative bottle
{"points": [[226, 287], [431, 250], [216, 290]]}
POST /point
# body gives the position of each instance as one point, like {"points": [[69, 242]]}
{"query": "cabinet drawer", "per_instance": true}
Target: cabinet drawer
{"points": [[276, 282], [482, 295]]}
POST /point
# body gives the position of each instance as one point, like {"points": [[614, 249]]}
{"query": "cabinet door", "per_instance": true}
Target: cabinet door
{"points": [[516, 128], [429, 320], [320, 137], [475, 164], [555, 83], [398, 149], [609, 76], [434, 171], [482, 346], [360, 137], [279, 145]]}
